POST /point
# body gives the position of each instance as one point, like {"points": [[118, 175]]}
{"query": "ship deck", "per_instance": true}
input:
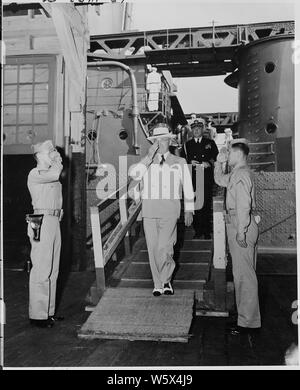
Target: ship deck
{"points": [[209, 345]]}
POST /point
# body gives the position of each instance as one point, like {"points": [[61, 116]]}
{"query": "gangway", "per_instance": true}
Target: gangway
{"points": [[199, 277]]}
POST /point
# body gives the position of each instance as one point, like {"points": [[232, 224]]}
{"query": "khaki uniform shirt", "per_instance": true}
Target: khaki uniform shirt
{"points": [[240, 197], [45, 188], [162, 186]]}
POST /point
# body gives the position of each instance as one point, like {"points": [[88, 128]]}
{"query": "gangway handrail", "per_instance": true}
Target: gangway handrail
{"points": [[129, 214]]}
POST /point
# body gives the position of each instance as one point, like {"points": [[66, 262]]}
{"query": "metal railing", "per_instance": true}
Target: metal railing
{"points": [[129, 212]]}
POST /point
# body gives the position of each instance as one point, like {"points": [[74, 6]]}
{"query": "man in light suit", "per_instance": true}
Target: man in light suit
{"points": [[163, 177]]}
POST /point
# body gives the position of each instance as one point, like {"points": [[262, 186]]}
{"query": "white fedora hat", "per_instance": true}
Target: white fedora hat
{"points": [[161, 131]]}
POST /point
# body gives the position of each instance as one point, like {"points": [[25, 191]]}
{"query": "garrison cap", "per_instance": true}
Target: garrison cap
{"points": [[239, 141], [43, 146]]}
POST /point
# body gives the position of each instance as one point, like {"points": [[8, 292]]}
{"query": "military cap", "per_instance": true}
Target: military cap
{"points": [[239, 141], [198, 122], [46, 146]]}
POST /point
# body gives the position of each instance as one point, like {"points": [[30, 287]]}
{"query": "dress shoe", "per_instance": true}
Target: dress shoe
{"points": [[168, 290], [236, 330], [56, 318], [157, 292], [42, 323]]}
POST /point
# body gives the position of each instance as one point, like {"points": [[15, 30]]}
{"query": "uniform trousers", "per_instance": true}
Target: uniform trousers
{"points": [[244, 275], [45, 255], [161, 236], [202, 217]]}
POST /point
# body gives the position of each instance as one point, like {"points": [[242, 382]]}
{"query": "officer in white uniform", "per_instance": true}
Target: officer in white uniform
{"points": [[242, 232], [46, 193], [163, 177], [153, 86]]}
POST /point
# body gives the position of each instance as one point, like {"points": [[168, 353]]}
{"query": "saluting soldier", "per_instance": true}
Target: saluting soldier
{"points": [[163, 177], [202, 151], [46, 194], [242, 232]]}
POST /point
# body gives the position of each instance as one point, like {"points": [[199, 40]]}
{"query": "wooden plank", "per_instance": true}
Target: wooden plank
{"points": [[190, 246], [193, 257], [177, 284], [219, 258], [130, 337], [98, 251], [185, 272]]}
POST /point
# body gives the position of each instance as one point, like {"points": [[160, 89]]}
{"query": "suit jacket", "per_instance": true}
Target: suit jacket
{"points": [[162, 186], [205, 151]]}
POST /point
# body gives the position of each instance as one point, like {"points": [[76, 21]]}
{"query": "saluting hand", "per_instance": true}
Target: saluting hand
{"points": [[241, 240], [194, 163], [222, 156], [206, 164]]}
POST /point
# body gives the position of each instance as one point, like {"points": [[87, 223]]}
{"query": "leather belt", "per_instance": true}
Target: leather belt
{"points": [[52, 212]]}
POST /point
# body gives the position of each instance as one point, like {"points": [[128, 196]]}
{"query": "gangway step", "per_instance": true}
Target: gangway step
{"points": [[185, 272], [195, 285], [186, 257], [188, 245]]}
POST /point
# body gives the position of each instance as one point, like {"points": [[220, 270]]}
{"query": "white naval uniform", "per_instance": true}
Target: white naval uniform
{"points": [[161, 194], [153, 85], [46, 193]]}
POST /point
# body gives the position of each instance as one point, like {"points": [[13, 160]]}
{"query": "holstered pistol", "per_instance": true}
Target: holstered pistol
{"points": [[35, 221]]}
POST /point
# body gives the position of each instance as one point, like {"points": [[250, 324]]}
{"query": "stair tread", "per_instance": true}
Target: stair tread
{"points": [[149, 284], [180, 257], [184, 272]]}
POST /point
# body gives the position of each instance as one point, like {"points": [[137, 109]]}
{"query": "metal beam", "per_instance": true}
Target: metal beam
{"points": [[186, 51]]}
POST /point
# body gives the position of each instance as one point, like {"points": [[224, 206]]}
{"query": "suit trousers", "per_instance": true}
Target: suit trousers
{"points": [[161, 236], [202, 217], [244, 275], [45, 255]]}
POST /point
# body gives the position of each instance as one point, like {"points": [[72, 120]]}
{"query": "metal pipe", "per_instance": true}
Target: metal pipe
{"points": [[135, 110]]}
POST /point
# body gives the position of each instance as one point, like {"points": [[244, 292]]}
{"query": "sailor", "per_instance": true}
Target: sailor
{"points": [[228, 137], [163, 176], [202, 152], [242, 232], [46, 194], [153, 86], [211, 129]]}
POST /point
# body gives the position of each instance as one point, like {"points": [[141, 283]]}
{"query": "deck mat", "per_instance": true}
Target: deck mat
{"points": [[135, 314]]}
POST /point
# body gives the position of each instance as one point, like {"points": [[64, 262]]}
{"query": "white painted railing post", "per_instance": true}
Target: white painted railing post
{"points": [[98, 251], [219, 257], [124, 219]]}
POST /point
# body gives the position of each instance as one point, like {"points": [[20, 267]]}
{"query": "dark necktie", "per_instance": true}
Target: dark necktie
{"points": [[162, 160]]}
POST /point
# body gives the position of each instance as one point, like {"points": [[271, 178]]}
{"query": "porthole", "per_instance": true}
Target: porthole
{"points": [[107, 83], [269, 67], [123, 134], [271, 128], [92, 135]]}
